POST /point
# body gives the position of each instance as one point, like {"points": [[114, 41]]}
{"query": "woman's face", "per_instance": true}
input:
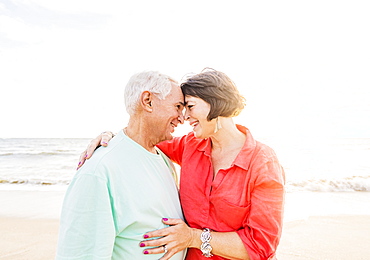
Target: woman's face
{"points": [[196, 113]]}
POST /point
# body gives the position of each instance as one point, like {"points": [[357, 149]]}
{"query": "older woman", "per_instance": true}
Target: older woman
{"points": [[231, 186]]}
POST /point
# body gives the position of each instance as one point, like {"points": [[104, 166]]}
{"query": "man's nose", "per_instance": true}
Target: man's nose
{"points": [[186, 115], [181, 118]]}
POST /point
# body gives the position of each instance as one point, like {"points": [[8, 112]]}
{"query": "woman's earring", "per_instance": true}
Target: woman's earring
{"points": [[218, 126]]}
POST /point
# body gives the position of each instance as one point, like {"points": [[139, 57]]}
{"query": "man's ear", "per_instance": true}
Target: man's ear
{"points": [[146, 101]]}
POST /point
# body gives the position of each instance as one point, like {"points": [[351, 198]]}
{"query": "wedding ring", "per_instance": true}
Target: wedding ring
{"points": [[165, 249]]}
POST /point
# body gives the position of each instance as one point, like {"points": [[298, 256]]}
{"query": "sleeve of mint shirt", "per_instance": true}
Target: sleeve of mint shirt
{"points": [[87, 229]]}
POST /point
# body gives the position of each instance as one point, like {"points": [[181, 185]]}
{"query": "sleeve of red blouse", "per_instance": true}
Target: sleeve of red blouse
{"points": [[262, 228], [173, 148]]}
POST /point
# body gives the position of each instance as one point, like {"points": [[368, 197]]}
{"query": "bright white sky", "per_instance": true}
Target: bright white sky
{"points": [[303, 66]]}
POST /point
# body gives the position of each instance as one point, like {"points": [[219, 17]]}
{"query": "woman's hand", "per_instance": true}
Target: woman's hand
{"points": [[100, 140], [175, 238]]}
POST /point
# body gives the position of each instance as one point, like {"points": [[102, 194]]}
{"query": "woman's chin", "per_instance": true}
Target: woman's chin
{"points": [[198, 134]]}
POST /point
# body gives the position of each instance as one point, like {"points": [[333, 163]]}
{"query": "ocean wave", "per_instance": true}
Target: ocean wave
{"points": [[355, 183], [63, 153], [34, 182]]}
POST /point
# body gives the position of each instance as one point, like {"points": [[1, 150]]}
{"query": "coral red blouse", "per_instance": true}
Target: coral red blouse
{"points": [[247, 198]]}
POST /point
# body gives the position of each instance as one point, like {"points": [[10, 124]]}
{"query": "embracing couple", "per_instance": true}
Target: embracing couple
{"points": [[124, 202]]}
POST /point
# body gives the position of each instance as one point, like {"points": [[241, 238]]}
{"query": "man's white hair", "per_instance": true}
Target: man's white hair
{"points": [[151, 81]]}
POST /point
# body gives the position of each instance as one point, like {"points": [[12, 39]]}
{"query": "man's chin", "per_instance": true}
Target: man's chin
{"points": [[168, 137]]}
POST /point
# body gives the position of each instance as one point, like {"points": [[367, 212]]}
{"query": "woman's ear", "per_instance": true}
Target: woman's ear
{"points": [[146, 101]]}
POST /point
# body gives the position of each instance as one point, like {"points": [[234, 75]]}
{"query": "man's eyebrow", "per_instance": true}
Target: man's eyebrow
{"points": [[182, 103]]}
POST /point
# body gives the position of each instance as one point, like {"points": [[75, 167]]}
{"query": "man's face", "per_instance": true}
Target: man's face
{"points": [[168, 113]]}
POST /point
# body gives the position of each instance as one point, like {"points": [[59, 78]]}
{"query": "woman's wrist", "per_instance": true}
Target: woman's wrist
{"points": [[195, 241], [206, 247]]}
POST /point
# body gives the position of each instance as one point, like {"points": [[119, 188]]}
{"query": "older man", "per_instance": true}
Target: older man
{"points": [[126, 189]]}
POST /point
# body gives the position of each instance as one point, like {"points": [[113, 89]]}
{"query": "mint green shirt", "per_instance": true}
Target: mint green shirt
{"points": [[119, 194]]}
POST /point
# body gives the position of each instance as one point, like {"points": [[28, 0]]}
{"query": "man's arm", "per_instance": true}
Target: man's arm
{"points": [[87, 228]]}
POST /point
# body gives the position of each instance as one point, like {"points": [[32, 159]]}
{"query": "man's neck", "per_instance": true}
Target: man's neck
{"points": [[141, 134]]}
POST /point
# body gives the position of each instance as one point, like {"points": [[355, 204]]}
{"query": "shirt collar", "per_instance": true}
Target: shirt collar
{"points": [[206, 147], [246, 154]]}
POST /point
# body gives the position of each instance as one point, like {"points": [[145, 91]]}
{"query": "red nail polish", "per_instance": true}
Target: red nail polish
{"points": [[146, 252], [165, 219], [142, 244], [146, 236]]}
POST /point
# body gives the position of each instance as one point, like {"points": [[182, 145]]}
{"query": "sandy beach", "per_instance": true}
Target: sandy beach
{"points": [[29, 222], [25, 238], [29, 227], [326, 238]]}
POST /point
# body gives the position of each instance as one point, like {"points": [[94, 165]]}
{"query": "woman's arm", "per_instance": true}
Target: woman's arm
{"points": [[180, 236], [263, 227], [101, 140], [173, 149]]}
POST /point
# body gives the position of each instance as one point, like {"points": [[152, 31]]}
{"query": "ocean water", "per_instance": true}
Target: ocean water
{"points": [[310, 165], [39, 161]]}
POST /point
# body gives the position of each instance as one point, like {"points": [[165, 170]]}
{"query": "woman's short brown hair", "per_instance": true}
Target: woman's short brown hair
{"points": [[218, 90]]}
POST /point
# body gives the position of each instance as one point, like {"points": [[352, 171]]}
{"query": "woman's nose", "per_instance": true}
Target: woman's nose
{"points": [[181, 118]]}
